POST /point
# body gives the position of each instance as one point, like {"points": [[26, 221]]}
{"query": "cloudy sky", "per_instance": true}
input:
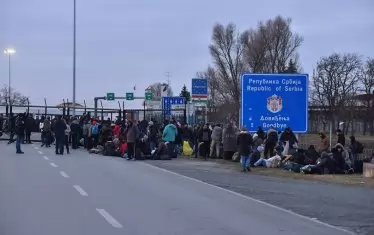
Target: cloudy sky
{"points": [[122, 43]]}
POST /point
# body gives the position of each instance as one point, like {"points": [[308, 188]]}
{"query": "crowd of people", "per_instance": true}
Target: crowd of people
{"points": [[166, 140]]}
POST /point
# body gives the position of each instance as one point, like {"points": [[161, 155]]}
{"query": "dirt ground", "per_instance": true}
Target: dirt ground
{"points": [[355, 179]]}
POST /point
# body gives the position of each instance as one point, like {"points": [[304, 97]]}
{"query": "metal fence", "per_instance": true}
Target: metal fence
{"points": [[39, 112]]}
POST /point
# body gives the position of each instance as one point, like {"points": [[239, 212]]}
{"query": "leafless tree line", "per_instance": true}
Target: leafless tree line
{"points": [[338, 82], [16, 98], [271, 47], [343, 86]]}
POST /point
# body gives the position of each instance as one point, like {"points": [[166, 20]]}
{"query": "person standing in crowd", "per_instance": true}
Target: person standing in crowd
{"points": [[67, 134], [270, 142], [324, 145], [132, 134], [28, 128], [46, 132], [216, 141], [1, 122], [261, 133], [75, 133], [87, 135], [244, 142], [11, 127], [204, 137], [229, 135], [152, 135], [168, 136], [20, 131], [95, 130], [341, 137], [59, 128], [195, 140]]}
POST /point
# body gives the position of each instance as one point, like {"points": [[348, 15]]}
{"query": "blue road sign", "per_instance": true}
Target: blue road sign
{"points": [[275, 100], [169, 102], [199, 87]]}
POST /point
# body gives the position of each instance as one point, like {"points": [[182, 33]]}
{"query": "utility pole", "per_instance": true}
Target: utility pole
{"points": [[74, 55], [168, 75]]}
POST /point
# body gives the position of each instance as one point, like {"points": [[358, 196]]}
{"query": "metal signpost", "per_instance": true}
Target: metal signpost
{"points": [[169, 103], [275, 100], [199, 90], [199, 94], [110, 96]]}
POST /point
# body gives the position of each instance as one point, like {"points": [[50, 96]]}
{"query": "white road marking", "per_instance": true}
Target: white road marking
{"points": [[63, 174], [80, 190], [40, 152], [36, 148], [52, 164], [253, 199], [109, 218], [46, 158]]}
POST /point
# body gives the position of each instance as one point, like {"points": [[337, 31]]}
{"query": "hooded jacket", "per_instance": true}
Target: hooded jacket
{"points": [[229, 140], [170, 133], [244, 142], [217, 133]]}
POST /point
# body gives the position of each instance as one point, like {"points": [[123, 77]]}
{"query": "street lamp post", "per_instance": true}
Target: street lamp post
{"points": [[74, 56], [9, 52]]}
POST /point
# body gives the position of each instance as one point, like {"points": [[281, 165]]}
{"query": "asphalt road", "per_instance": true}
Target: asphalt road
{"points": [[43, 194], [348, 207]]}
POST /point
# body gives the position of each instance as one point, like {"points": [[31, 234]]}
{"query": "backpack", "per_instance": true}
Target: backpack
{"points": [[95, 129]]}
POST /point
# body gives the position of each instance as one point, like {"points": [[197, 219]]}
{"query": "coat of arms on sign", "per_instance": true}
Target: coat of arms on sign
{"points": [[274, 103]]}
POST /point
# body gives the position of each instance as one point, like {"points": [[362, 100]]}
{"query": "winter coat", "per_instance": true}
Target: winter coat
{"points": [[217, 133], [341, 139], [59, 128], [20, 125], [170, 133], [204, 135], [244, 142], [132, 133], [229, 135]]}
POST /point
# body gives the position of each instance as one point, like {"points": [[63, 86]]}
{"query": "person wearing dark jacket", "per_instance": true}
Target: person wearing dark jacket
{"points": [[132, 134], [244, 142], [260, 133], [289, 136], [204, 137], [20, 132], [59, 128], [28, 128], [75, 133], [11, 127], [341, 137], [152, 135], [270, 142]]}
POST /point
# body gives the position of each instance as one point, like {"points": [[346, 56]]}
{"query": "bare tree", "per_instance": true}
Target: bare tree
{"points": [[335, 83], [16, 97], [367, 96], [272, 47], [155, 89], [226, 50]]}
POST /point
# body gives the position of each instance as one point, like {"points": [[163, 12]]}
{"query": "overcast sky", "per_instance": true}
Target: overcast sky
{"points": [[122, 43]]}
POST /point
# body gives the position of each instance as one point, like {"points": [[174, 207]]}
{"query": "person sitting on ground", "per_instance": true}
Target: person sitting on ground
{"points": [[270, 142], [311, 155], [272, 162], [288, 135]]}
